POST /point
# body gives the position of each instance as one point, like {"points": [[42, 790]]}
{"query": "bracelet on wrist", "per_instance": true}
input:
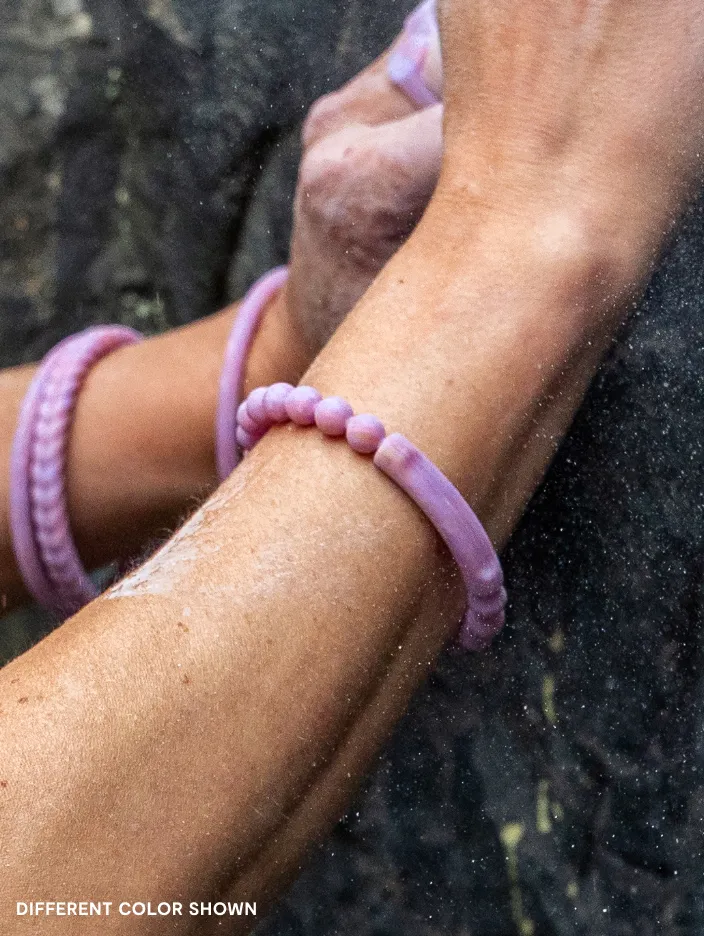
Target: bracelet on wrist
{"points": [[239, 345], [413, 472], [40, 527], [39, 523]]}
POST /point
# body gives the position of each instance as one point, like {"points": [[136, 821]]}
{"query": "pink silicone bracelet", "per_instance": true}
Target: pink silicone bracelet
{"points": [[414, 473], [245, 327], [46, 555], [406, 61]]}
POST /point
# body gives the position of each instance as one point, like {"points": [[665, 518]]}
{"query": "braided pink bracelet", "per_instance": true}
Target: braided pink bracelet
{"points": [[407, 59], [245, 327], [413, 472], [46, 555]]}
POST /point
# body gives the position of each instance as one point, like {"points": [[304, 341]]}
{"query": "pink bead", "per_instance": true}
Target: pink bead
{"points": [[50, 538], [245, 421], [255, 406], [49, 517], [471, 639], [246, 440], [332, 414], [48, 409], [301, 404], [48, 449], [365, 433], [477, 631], [59, 560], [275, 402]]}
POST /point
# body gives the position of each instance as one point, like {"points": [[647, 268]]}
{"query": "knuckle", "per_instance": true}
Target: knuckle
{"points": [[358, 197], [328, 204]]}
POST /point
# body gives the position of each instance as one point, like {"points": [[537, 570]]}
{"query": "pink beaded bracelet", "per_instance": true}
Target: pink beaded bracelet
{"points": [[39, 523], [413, 472]]}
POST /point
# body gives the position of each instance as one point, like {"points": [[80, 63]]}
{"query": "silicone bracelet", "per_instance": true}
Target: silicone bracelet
{"points": [[41, 536], [245, 327], [414, 473], [408, 57]]}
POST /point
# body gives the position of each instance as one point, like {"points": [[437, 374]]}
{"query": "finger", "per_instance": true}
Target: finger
{"points": [[375, 96]]}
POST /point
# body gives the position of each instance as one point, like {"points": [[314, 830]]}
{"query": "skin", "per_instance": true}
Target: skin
{"points": [[306, 627]]}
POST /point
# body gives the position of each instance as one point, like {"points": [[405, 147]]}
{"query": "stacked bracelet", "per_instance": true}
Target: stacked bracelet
{"points": [[42, 541], [413, 472], [44, 548]]}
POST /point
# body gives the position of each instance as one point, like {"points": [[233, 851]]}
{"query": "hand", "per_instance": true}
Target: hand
{"points": [[370, 164]]}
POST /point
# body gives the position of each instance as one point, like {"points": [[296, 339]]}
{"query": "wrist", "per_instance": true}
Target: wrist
{"points": [[142, 443], [602, 226], [483, 338]]}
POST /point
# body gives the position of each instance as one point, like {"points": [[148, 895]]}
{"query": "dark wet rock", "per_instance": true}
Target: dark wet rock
{"points": [[552, 786]]}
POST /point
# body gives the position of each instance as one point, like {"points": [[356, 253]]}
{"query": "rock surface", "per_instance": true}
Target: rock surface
{"points": [[552, 786]]}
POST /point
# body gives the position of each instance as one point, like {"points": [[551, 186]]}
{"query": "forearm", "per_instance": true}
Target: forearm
{"points": [[141, 448], [257, 662]]}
